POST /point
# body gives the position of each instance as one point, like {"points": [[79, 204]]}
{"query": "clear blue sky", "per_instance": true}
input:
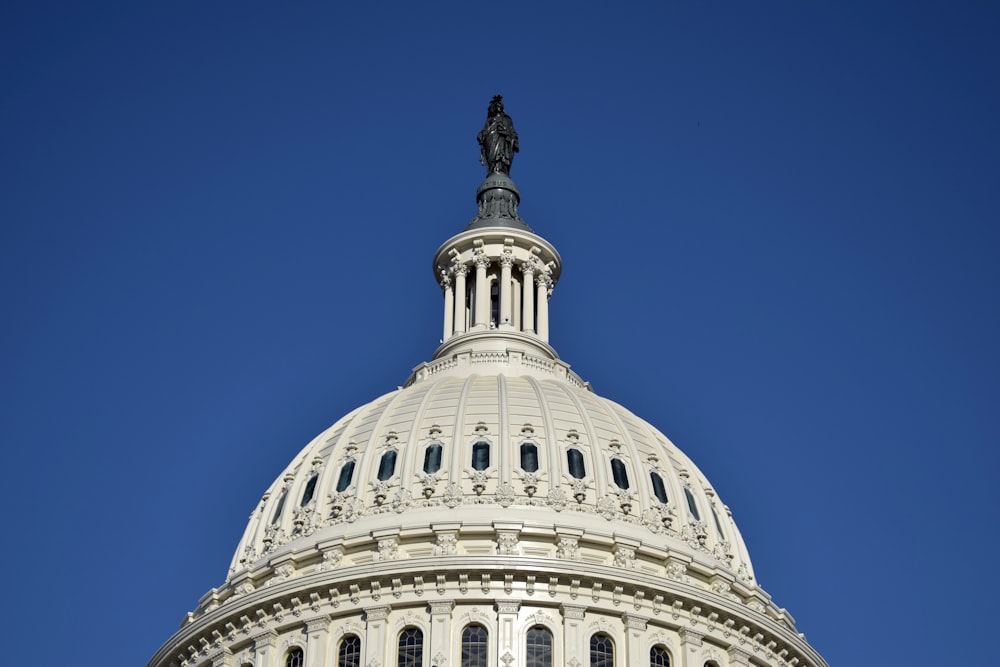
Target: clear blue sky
{"points": [[779, 223]]}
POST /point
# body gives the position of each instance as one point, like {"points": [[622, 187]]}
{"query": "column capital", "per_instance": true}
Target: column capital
{"points": [[264, 639], [378, 613], [507, 259], [460, 269], [317, 624], [690, 637], [440, 607], [508, 606], [634, 622], [573, 611], [481, 260], [738, 657]]}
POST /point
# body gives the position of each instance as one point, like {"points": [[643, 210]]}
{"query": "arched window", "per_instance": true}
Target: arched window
{"points": [[659, 490], [602, 651], [432, 458], [481, 455], [475, 646], [658, 657], [411, 648], [691, 504], [307, 495], [349, 653], [574, 457], [539, 645], [294, 658], [529, 457], [346, 473], [495, 302], [387, 466], [278, 507], [619, 473]]}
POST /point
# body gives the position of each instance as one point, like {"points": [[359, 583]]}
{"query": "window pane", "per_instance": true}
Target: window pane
{"points": [[474, 646], [575, 459], [659, 490], [529, 457], [481, 455], [691, 504], [432, 459], [602, 651], [294, 658], [278, 507], [307, 495], [411, 648], [718, 526], [350, 652], [387, 465], [539, 645], [346, 473], [658, 657], [619, 473]]}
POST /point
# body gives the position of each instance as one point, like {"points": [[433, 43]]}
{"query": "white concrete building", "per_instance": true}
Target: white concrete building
{"points": [[492, 512]]}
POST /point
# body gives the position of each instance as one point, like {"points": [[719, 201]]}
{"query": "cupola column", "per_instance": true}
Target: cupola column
{"points": [[449, 306], [482, 291], [506, 261], [543, 282], [459, 298], [527, 298]]}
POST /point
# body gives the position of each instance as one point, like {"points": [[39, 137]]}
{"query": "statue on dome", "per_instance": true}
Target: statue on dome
{"points": [[497, 139]]}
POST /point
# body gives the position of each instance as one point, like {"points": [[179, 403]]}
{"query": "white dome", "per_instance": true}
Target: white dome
{"points": [[506, 401]]}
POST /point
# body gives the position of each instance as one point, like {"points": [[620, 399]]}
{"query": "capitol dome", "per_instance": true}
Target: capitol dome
{"points": [[492, 511]]}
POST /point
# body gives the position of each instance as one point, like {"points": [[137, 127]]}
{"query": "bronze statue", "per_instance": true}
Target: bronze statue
{"points": [[497, 139]]}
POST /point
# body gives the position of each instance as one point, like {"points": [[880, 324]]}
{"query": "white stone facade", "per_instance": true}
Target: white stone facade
{"points": [[494, 490]]}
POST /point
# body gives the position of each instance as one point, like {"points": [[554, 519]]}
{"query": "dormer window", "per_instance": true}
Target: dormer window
{"points": [[529, 457], [619, 473], [691, 504], [481, 455], [432, 458], [387, 465], [659, 490], [344, 480], [574, 458], [310, 490]]}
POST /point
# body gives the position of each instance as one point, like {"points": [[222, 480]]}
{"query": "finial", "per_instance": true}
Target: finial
{"points": [[497, 139]]}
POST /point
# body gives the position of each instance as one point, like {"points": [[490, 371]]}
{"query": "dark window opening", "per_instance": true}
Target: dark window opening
{"points": [[344, 480], [307, 495], [387, 466], [659, 490], [294, 658], [411, 648], [658, 657], [619, 473], [691, 504], [602, 651], [574, 457], [539, 647], [432, 458], [481, 455], [279, 507], [475, 644], [494, 302], [349, 654], [718, 524], [529, 457]]}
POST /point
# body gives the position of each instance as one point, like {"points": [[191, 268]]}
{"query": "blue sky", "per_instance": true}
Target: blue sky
{"points": [[779, 224]]}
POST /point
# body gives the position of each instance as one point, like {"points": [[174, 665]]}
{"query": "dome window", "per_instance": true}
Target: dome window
{"points": [[659, 490], [574, 457], [411, 647], [475, 641], [619, 473], [529, 457], [344, 480], [658, 657], [539, 647], [602, 651], [481, 455], [294, 658], [278, 508], [387, 465], [432, 458], [718, 524], [691, 504], [349, 654], [310, 490]]}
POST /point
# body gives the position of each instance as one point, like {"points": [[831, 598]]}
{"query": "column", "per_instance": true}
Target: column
{"points": [[316, 636], [449, 307], [376, 648], [506, 626], [574, 644], [460, 271], [506, 261], [264, 649], [635, 628], [690, 643], [527, 300], [482, 291], [440, 641], [543, 282]]}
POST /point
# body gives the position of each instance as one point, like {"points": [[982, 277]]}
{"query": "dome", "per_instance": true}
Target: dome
{"points": [[496, 437], [491, 511]]}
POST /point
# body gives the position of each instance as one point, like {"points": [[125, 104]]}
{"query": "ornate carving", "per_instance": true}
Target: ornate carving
{"points": [[607, 506], [440, 660], [508, 606], [676, 570], [624, 556], [331, 558], [507, 659], [244, 588], [507, 544], [453, 495], [579, 490], [447, 544], [568, 548], [530, 481], [401, 501], [505, 494], [460, 269], [388, 549], [479, 478], [556, 499], [281, 573], [428, 483], [480, 259]]}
